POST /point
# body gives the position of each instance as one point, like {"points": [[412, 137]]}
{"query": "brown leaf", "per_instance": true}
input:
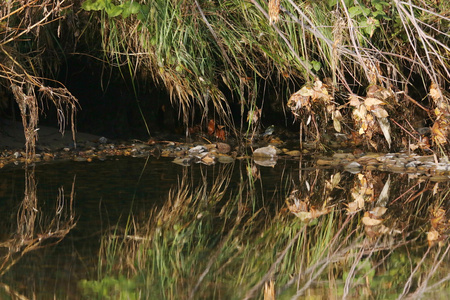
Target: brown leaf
{"points": [[432, 236], [435, 92], [368, 221], [211, 127], [353, 207], [354, 100], [274, 11], [438, 133], [438, 218], [378, 211], [370, 102], [220, 134]]}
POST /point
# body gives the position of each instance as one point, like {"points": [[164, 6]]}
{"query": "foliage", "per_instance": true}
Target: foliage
{"points": [[214, 55], [198, 50]]}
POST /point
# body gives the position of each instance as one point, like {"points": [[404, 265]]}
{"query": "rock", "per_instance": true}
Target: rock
{"points": [[268, 151], [197, 150], [223, 148], [348, 156]]}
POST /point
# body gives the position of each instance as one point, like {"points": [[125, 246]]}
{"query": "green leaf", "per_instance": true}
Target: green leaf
{"points": [[316, 65], [366, 11], [143, 13], [381, 15], [95, 5], [354, 11], [129, 8], [113, 10]]}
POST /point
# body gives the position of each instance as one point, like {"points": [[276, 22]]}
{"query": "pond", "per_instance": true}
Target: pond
{"points": [[146, 228]]}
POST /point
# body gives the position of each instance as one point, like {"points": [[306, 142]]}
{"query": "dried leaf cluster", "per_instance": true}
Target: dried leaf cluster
{"points": [[441, 126]]}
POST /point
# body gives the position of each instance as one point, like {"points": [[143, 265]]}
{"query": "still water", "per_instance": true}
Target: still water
{"points": [[317, 233]]}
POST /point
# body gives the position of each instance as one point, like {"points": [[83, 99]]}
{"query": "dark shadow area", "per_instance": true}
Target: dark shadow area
{"points": [[111, 104]]}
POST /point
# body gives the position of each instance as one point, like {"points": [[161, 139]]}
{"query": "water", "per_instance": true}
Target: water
{"points": [[107, 192]]}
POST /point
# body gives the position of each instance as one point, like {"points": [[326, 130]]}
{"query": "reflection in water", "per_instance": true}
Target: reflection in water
{"points": [[338, 235], [35, 228], [242, 230]]}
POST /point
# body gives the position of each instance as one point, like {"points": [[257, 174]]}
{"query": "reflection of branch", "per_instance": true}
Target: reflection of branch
{"points": [[26, 238], [269, 274], [12, 293], [422, 288]]}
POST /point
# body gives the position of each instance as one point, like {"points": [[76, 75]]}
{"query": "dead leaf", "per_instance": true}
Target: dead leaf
{"points": [[211, 127], [368, 221], [435, 92], [220, 134], [359, 199], [386, 129], [253, 115], [335, 179], [378, 211], [435, 188], [439, 134], [438, 218], [432, 236], [379, 112], [384, 194], [269, 289], [370, 102], [207, 160], [354, 100]]}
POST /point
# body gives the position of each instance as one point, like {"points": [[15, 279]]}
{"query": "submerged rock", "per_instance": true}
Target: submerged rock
{"points": [[266, 161], [225, 159], [183, 161]]}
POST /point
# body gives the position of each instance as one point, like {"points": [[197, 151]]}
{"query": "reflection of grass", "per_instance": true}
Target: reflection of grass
{"points": [[215, 243]]}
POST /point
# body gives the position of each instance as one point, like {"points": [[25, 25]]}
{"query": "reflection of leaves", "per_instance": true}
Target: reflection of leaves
{"points": [[337, 118], [384, 195], [440, 225], [302, 208]]}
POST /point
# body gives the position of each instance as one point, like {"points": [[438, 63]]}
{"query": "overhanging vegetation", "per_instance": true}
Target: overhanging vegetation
{"points": [[368, 69]]}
